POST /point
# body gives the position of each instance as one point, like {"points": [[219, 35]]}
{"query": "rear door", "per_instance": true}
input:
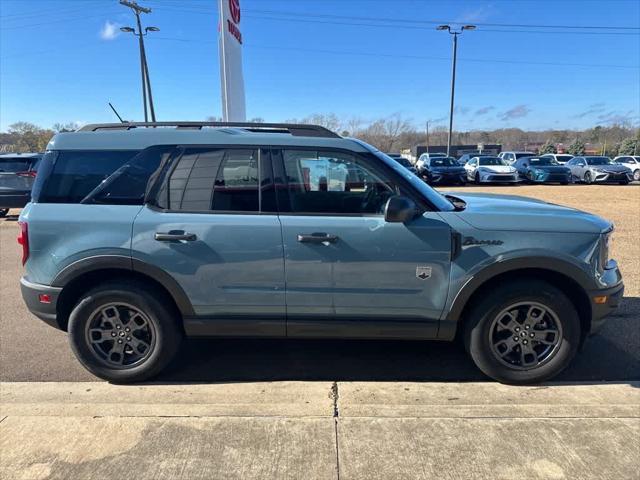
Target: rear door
{"points": [[348, 272], [215, 231]]}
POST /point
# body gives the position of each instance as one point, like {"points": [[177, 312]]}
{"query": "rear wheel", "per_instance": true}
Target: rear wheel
{"points": [[3, 212], [121, 332], [524, 332]]}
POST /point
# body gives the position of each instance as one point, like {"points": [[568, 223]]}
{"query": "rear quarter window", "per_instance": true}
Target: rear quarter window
{"points": [[69, 176]]}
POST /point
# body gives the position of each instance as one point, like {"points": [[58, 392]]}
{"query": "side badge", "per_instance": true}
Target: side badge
{"points": [[423, 273]]}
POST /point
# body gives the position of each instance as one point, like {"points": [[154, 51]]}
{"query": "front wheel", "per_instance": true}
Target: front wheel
{"points": [[521, 333], [587, 178], [636, 175], [476, 179], [121, 332]]}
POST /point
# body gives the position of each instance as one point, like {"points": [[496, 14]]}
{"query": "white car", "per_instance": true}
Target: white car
{"points": [[511, 157], [561, 158], [426, 156], [632, 162], [489, 170]]}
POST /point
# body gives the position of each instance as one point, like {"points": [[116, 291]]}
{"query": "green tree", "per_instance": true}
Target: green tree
{"points": [[548, 147], [629, 146], [576, 148], [29, 137]]}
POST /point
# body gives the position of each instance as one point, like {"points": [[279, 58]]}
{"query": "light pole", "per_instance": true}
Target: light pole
{"points": [[453, 74], [144, 68]]}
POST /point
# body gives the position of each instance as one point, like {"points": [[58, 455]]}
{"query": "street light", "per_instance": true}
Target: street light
{"points": [[453, 73]]}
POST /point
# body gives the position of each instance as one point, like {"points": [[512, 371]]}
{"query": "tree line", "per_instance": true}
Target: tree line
{"points": [[396, 133]]}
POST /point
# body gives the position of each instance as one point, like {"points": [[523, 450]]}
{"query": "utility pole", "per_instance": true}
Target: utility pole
{"points": [[453, 74], [144, 68], [427, 135]]}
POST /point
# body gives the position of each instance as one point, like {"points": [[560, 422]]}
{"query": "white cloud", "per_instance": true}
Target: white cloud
{"points": [[109, 30]]}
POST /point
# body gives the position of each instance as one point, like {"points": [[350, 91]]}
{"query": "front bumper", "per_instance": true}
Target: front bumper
{"points": [[445, 177], [499, 177], [548, 177], [605, 300], [612, 177], [45, 311]]}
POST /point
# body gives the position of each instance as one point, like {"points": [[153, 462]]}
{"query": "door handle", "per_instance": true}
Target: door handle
{"points": [[175, 235], [317, 238]]}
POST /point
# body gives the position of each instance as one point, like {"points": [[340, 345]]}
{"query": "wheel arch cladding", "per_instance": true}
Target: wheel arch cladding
{"points": [[473, 291], [84, 280]]}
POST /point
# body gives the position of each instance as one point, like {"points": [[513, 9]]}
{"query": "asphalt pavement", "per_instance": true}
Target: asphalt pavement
{"points": [[32, 351]]}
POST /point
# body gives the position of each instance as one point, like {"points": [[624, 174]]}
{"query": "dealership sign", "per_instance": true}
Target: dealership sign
{"points": [[232, 79]]}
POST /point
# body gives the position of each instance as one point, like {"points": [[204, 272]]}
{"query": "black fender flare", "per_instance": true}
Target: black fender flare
{"points": [[449, 324], [125, 263]]}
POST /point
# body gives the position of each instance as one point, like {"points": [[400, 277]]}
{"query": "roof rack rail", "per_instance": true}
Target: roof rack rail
{"points": [[300, 130]]}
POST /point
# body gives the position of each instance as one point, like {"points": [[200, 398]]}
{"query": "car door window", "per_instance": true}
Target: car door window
{"points": [[214, 180], [334, 183]]}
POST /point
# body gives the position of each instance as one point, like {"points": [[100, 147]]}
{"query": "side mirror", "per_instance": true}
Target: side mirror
{"points": [[399, 209]]}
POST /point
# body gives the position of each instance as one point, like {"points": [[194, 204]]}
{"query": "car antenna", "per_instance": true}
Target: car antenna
{"points": [[116, 112]]}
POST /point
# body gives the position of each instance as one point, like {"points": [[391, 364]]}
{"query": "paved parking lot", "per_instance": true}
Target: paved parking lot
{"points": [[32, 351]]}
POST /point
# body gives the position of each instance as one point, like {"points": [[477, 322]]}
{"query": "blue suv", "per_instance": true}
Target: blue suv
{"points": [[141, 233]]}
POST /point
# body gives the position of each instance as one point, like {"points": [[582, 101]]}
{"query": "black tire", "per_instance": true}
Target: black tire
{"points": [[476, 179], [636, 175], [3, 212], [481, 321], [587, 178], [161, 317]]}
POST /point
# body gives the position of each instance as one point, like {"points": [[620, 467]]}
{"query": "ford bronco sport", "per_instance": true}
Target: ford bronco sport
{"points": [[139, 234]]}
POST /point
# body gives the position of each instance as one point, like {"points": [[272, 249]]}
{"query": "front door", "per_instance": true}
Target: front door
{"points": [[215, 233], [348, 272]]}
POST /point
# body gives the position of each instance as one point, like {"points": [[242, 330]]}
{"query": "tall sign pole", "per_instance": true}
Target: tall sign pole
{"points": [[231, 77]]}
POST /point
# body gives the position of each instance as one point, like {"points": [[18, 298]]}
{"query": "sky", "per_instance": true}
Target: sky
{"points": [[64, 60]]}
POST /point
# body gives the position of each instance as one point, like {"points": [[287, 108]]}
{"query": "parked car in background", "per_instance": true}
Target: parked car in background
{"points": [[592, 169], [561, 158], [425, 156], [542, 170], [17, 172], [632, 162], [438, 170], [468, 156], [490, 169], [404, 161], [138, 236], [511, 157]]}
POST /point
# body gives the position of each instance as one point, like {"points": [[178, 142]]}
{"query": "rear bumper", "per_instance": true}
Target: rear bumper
{"points": [[47, 312], [14, 199]]}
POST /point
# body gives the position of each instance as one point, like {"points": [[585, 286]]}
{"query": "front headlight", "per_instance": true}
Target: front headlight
{"points": [[605, 245]]}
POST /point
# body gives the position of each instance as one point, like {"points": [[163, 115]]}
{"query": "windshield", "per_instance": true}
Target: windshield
{"points": [[443, 162], [542, 161], [598, 160], [490, 161], [14, 164], [438, 200]]}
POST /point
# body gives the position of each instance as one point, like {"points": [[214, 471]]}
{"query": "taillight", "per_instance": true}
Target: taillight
{"points": [[30, 173], [23, 239]]}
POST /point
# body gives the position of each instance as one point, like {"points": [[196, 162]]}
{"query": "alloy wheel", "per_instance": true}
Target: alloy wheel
{"points": [[636, 175], [525, 335], [120, 335]]}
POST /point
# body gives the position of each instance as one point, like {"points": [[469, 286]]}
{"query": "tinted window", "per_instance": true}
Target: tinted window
{"points": [[403, 161], [598, 160], [215, 179], [443, 162], [128, 184], [563, 158], [73, 174], [523, 154], [490, 161], [541, 161], [334, 183], [13, 165]]}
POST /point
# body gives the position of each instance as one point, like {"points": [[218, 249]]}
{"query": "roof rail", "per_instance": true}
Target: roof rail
{"points": [[300, 130]]}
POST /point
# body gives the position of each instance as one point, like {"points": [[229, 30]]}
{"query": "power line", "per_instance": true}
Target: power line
{"points": [[412, 57]]}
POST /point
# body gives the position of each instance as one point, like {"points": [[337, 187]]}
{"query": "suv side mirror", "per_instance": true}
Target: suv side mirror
{"points": [[399, 209]]}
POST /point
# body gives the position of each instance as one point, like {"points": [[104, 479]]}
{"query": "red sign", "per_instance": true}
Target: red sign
{"points": [[234, 8]]}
